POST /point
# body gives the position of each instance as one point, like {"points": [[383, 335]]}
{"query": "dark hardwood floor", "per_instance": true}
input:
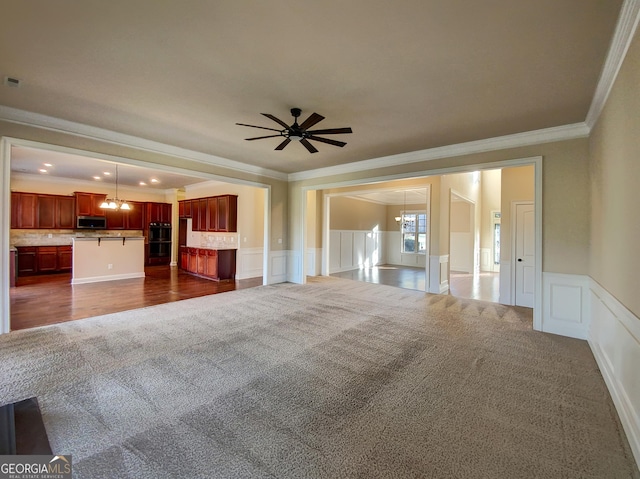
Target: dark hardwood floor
{"points": [[50, 299]]}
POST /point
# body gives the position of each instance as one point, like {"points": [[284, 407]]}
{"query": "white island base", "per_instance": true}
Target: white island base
{"points": [[107, 259]]}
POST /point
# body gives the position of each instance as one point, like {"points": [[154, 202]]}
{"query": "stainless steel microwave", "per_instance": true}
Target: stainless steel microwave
{"points": [[91, 223]]}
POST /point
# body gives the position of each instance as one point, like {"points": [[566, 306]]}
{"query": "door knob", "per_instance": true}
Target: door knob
{"points": [[520, 260]]}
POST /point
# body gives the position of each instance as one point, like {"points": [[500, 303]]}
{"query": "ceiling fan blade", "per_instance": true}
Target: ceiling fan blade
{"points": [[330, 131], [261, 137], [283, 144], [277, 120], [327, 140], [254, 126], [312, 120], [308, 146]]}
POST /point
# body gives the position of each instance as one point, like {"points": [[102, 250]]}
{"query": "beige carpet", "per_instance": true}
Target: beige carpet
{"points": [[327, 380]]}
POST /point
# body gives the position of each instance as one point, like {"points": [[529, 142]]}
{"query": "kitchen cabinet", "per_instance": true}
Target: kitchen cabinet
{"points": [[65, 258], [34, 260], [66, 212], [132, 219], [158, 213], [32, 210], [46, 211], [202, 213], [47, 259], [27, 204], [135, 216], [27, 262], [15, 209], [88, 204], [227, 213], [212, 213], [184, 209], [209, 263]]}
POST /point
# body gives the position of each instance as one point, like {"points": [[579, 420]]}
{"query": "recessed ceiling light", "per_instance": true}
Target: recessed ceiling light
{"points": [[97, 178], [142, 183], [106, 173], [42, 170], [153, 180], [49, 165]]}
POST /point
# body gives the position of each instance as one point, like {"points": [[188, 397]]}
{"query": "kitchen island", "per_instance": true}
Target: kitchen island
{"points": [[107, 258]]}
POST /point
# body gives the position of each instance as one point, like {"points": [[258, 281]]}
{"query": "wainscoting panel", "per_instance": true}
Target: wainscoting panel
{"points": [[278, 262], [354, 249], [505, 282], [614, 337], [250, 262], [439, 274], [565, 304], [486, 261], [314, 261]]}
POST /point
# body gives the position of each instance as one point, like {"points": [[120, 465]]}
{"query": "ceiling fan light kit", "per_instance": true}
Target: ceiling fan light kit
{"points": [[300, 133]]}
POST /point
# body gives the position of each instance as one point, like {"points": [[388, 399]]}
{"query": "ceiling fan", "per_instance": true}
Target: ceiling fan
{"points": [[300, 132]]}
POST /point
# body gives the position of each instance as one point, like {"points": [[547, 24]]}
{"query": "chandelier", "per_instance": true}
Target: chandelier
{"points": [[115, 203]]}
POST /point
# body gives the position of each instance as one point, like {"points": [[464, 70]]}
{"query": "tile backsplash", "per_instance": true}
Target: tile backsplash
{"points": [[31, 237]]}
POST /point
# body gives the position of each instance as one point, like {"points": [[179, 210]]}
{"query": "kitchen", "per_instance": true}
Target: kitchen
{"points": [[49, 226]]}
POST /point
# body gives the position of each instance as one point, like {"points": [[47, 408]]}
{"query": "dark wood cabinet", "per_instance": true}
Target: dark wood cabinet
{"points": [[66, 212], [46, 212], [34, 260], [32, 210], [65, 258], [135, 216], [27, 263], [158, 212], [209, 263], [47, 259], [202, 213], [27, 207], [115, 219], [227, 213], [88, 204], [184, 209], [212, 213], [15, 209], [132, 219]]}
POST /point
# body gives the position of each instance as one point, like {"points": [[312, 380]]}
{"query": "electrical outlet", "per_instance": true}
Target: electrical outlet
{"points": [[110, 266], [49, 235]]}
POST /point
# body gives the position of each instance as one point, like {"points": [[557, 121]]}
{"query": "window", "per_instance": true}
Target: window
{"points": [[413, 227]]}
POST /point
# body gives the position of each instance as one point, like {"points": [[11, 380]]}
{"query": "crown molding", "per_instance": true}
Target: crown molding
{"points": [[547, 135], [37, 120], [622, 37]]}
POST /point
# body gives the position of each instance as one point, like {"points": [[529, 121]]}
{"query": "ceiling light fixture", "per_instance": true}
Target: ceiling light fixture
{"points": [[97, 178], [399, 218], [153, 180], [106, 173], [115, 203], [42, 170], [48, 165], [142, 183]]}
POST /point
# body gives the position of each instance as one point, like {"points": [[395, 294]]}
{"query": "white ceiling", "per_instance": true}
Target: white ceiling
{"points": [[30, 161], [405, 75]]}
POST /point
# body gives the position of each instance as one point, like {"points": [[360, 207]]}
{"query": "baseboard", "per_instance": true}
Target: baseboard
{"points": [[113, 277], [565, 304], [614, 338]]}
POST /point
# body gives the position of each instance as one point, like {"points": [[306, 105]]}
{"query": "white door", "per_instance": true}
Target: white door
{"points": [[525, 255]]}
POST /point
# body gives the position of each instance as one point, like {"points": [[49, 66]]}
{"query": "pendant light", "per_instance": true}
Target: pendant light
{"points": [[115, 203], [404, 208]]}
